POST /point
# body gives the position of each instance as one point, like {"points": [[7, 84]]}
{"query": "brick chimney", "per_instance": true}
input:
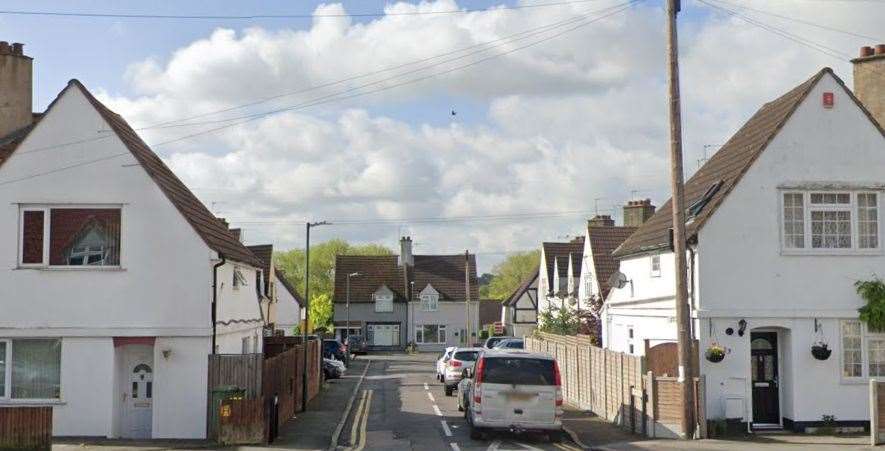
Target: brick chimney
{"points": [[636, 212], [15, 88], [601, 221], [405, 252], [869, 80]]}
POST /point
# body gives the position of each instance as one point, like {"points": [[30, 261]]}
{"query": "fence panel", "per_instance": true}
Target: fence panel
{"points": [[242, 422], [243, 371], [26, 428]]}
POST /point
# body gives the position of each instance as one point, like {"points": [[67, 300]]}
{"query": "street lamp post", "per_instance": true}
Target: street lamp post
{"points": [[347, 308], [307, 310]]}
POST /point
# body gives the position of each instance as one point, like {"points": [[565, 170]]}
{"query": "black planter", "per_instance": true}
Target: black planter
{"points": [[821, 352], [714, 357]]}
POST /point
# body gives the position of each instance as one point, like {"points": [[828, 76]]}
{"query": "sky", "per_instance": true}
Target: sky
{"points": [[560, 109]]}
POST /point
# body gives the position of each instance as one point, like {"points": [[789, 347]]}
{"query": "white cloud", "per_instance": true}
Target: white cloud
{"points": [[568, 121]]}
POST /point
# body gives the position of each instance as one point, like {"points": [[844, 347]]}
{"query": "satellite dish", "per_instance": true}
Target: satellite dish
{"points": [[617, 280]]}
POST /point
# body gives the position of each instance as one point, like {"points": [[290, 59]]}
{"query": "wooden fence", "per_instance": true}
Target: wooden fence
{"points": [[273, 385], [616, 386], [877, 411], [26, 428]]}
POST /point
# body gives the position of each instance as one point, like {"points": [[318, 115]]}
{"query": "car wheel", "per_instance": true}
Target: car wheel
{"points": [[556, 437], [448, 391], [476, 433]]}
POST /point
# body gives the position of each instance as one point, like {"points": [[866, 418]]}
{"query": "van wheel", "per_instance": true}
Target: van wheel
{"points": [[449, 390], [476, 433], [556, 437]]}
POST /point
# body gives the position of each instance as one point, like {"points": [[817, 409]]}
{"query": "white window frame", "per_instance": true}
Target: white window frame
{"points": [[865, 336], [47, 214], [808, 207], [429, 302], [386, 298], [6, 398], [440, 330], [652, 271]]}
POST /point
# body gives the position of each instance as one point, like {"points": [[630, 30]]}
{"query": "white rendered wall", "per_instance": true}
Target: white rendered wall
{"points": [[180, 383], [453, 315], [288, 310], [87, 388]]}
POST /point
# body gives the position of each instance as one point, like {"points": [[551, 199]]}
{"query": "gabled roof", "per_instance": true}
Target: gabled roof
{"points": [[526, 285], [375, 271], [444, 272], [264, 253], [727, 166], [603, 241], [560, 252], [213, 232]]}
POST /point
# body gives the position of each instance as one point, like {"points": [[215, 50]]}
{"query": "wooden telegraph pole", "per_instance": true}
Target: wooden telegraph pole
{"points": [[467, 297], [678, 206]]}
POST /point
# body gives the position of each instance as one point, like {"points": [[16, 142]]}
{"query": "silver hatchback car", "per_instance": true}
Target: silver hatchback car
{"points": [[461, 359]]}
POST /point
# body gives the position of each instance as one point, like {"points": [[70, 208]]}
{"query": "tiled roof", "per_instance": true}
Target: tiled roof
{"points": [[523, 287], [444, 272], [603, 241], [375, 271], [263, 252], [489, 311], [212, 230], [560, 252], [728, 165]]}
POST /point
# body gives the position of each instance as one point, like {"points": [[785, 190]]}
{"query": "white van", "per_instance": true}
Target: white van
{"points": [[516, 391]]}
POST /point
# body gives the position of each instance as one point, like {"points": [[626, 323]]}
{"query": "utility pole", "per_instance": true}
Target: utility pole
{"points": [[686, 378], [307, 312], [467, 297], [347, 308]]}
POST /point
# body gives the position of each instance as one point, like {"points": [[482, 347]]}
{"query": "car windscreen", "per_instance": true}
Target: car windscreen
{"points": [[518, 371], [467, 356], [493, 341]]}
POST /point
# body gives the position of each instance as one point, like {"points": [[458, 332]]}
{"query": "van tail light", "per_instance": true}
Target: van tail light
{"points": [[557, 379], [477, 380], [455, 363]]}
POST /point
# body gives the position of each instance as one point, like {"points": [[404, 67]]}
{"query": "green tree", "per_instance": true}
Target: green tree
{"points": [[511, 272], [321, 310], [322, 264]]}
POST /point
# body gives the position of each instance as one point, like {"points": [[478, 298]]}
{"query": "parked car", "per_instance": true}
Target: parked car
{"points": [[510, 343], [333, 369], [462, 358], [356, 344], [334, 348], [464, 389], [492, 341], [516, 391], [441, 362]]}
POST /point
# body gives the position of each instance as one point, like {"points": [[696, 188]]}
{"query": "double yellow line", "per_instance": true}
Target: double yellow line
{"points": [[360, 421]]}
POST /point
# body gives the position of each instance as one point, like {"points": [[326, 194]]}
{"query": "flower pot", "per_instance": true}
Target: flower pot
{"points": [[821, 352], [715, 355]]}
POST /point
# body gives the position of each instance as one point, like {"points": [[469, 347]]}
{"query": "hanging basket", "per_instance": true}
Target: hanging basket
{"points": [[821, 351], [715, 353]]}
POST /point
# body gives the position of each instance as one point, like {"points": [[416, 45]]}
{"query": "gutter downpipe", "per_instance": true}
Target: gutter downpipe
{"points": [[215, 297]]}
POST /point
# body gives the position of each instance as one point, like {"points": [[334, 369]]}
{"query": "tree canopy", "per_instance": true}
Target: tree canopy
{"points": [[511, 272], [322, 264]]}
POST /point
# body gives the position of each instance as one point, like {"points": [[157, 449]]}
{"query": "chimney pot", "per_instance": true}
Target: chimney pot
{"points": [[869, 80], [15, 88], [18, 48], [4, 48], [406, 258], [880, 49], [866, 51]]}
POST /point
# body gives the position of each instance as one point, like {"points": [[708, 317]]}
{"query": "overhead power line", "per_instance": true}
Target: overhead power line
{"points": [[423, 220], [279, 16]]}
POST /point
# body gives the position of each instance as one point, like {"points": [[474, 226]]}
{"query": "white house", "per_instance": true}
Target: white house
{"points": [[782, 221], [560, 274], [116, 280], [281, 305], [519, 312]]}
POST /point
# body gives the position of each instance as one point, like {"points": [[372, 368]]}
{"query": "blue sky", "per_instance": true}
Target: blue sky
{"points": [[552, 128]]}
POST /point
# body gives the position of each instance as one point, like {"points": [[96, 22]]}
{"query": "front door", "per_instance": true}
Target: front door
{"points": [[138, 391], [763, 352]]}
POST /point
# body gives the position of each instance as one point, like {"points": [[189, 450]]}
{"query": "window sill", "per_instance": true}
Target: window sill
{"points": [[72, 268], [31, 402]]}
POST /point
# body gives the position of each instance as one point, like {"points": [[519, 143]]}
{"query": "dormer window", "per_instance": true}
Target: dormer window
{"points": [[830, 222], [429, 302], [239, 280], [383, 301], [61, 236]]}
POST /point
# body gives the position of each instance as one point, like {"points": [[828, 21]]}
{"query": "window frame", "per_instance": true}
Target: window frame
{"points": [[808, 208], [384, 298], [6, 398], [865, 336], [441, 331], [652, 271], [47, 227], [431, 304]]}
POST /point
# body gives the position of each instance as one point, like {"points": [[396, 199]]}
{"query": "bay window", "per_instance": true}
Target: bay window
{"points": [[831, 222], [65, 236], [863, 351], [30, 369]]}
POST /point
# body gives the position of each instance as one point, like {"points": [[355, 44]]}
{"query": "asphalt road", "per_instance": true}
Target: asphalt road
{"points": [[401, 406]]}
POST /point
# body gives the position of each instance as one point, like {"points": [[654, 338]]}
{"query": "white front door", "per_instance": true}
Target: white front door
{"points": [[138, 391]]}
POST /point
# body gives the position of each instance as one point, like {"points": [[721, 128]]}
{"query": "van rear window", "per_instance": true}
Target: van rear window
{"points": [[518, 371], [466, 356]]}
